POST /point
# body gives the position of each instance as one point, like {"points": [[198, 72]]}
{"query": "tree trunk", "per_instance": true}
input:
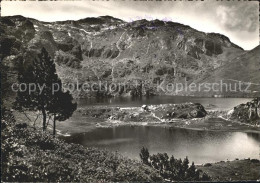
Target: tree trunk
{"points": [[256, 113], [54, 125], [44, 119]]}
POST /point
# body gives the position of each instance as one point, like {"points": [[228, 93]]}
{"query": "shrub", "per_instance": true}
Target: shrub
{"points": [[173, 169]]}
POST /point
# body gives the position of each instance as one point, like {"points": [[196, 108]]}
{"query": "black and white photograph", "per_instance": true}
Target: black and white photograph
{"points": [[130, 91]]}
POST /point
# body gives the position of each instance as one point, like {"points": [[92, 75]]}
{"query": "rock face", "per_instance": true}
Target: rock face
{"points": [[248, 113], [113, 51], [183, 111]]}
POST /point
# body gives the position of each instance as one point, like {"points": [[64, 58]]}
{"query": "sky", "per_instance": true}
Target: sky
{"points": [[238, 20]]}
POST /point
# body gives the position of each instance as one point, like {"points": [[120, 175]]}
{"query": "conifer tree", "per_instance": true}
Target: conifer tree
{"points": [[191, 173], [62, 107], [144, 155], [42, 75]]}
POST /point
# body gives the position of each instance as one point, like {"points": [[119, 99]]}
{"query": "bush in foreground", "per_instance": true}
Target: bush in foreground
{"points": [[173, 169]]}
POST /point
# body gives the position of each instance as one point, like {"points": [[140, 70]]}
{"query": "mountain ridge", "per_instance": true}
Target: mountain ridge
{"points": [[109, 49], [82, 20]]}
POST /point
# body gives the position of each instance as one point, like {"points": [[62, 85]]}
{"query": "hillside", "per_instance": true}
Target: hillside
{"points": [[244, 68], [32, 155], [142, 54]]}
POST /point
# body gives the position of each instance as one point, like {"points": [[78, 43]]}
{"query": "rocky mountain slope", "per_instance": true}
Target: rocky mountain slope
{"points": [[142, 54], [243, 70], [247, 113]]}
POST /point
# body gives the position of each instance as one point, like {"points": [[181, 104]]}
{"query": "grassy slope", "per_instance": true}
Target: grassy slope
{"points": [[233, 170], [239, 68]]}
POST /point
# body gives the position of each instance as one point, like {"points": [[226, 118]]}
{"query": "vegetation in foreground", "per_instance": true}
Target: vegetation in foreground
{"points": [[173, 169], [31, 155], [179, 170], [246, 169]]}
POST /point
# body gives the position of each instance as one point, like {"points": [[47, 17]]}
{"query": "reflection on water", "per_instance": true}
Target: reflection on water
{"points": [[222, 103], [199, 146]]}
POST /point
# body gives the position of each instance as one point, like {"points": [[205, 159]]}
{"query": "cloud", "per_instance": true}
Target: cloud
{"points": [[239, 17]]}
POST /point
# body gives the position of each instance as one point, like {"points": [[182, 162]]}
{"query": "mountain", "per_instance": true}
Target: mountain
{"points": [[142, 54], [244, 69]]}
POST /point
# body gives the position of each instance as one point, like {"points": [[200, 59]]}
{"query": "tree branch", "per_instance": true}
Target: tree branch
{"points": [[48, 121], [26, 116], [35, 120]]}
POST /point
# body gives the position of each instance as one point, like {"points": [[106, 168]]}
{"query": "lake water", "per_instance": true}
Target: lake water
{"points": [[199, 146]]}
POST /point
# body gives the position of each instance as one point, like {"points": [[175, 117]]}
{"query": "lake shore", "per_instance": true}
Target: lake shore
{"points": [[89, 117], [215, 120], [55, 154], [94, 117], [25, 148]]}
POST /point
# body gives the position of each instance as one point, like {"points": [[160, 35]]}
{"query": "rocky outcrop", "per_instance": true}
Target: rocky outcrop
{"points": [[77, 52], [183, 111], [148, 113], [212, 48], [247, 113]]}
